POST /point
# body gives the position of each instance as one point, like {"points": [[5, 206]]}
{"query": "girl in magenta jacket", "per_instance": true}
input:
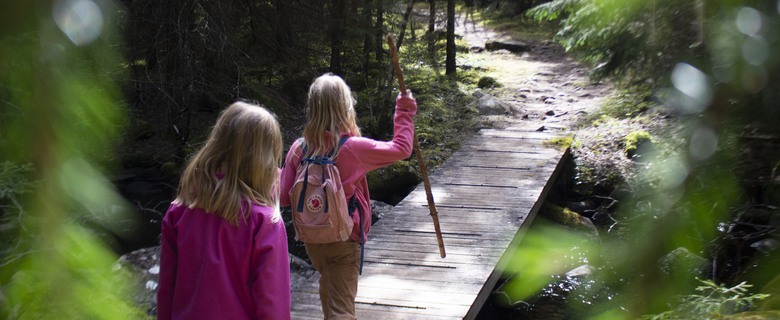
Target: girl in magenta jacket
{"points": [[224, 245], [330, 116]]}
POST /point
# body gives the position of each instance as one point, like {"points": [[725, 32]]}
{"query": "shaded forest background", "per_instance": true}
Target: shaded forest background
{"points": [[187, 58]]}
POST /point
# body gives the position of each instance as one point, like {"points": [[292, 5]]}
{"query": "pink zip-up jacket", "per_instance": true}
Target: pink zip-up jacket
{"points": [[211, 269], [358, 156]]}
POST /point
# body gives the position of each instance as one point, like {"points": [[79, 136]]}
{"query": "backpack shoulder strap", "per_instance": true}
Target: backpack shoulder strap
{"points": [[305, 147], [341, 143]]}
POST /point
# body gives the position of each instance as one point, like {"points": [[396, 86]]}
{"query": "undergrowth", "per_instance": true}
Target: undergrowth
{"points": [[712, 302]]}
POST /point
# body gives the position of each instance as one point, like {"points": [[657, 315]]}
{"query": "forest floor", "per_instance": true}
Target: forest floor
{"points": [[547, 87], [552, 91]]}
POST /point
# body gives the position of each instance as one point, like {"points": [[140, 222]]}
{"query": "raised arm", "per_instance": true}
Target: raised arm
{"points": [[375, 154]]}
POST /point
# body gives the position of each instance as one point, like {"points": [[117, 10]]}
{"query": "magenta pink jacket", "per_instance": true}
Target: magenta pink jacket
{"points": [[358, 156], [211, 269]]}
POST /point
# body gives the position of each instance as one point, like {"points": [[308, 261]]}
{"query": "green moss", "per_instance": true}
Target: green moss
{"points": [[634, 139], [628, 103], [487, 82], [561, 143]]}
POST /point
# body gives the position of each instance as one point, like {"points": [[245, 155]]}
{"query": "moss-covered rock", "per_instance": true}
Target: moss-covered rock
{"points": [[682, 260], [392, 183], [568, 218], [636, 141], [560, 143], [487, 82]]}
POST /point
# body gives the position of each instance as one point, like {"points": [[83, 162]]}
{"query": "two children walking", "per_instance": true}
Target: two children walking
{"points": [[224, 246]]}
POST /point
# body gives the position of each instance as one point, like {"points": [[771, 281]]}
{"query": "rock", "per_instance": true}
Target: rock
{"points": [[487, 82], [682, 260], [568, 218], [766, 246], [144, 267], [488, 105], [581, 271], [390, 184], [637, 144], [379, 209], [510, 45], [581, 206]]}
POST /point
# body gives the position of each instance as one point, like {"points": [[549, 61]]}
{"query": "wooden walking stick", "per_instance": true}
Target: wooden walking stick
{"points": [[417, 151]]}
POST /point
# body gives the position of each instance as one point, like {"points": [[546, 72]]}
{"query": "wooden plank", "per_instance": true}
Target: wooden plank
{"points": [[426, 243], [380, 311], [444, 277], [518, 134]]}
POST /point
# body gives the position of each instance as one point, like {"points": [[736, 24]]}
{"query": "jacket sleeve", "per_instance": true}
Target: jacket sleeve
{"points": [[375, 154], [270, 267], [287, 177], [168, 265]]}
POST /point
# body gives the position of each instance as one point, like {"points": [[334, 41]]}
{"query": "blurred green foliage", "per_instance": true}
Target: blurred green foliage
{"points": [[624, 39], [61, 114]]}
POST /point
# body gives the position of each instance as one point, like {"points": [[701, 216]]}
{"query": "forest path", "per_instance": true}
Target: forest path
{"points": [[550, 89]]}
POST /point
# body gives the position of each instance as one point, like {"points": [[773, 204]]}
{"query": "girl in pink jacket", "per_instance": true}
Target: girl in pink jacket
{"points": [[224, 245], [331, 116]]}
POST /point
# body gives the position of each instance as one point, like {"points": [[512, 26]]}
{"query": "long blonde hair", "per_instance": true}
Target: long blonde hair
{"points": [[245, 149], [330, 107]]}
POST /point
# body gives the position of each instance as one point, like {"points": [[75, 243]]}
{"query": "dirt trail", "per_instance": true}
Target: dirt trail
{"points": [[550, 89]]}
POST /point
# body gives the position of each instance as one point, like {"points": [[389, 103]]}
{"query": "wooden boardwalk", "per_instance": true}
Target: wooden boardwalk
{"points": [[486, 194]]}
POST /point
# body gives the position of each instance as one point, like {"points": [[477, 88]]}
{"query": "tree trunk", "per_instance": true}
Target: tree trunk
{"points": [[367, 33], [336, 33], [431, 26], [379, 38], [404, 23], [450, 61]]}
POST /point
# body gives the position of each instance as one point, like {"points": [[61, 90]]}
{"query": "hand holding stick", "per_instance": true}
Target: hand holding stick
{"points": [[417, 151]]}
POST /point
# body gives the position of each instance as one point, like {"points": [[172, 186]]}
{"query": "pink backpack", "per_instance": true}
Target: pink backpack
{"points": [[319, 207]]}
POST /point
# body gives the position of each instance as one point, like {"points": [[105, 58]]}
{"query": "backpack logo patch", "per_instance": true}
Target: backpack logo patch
{"points": [[315, 203]]}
